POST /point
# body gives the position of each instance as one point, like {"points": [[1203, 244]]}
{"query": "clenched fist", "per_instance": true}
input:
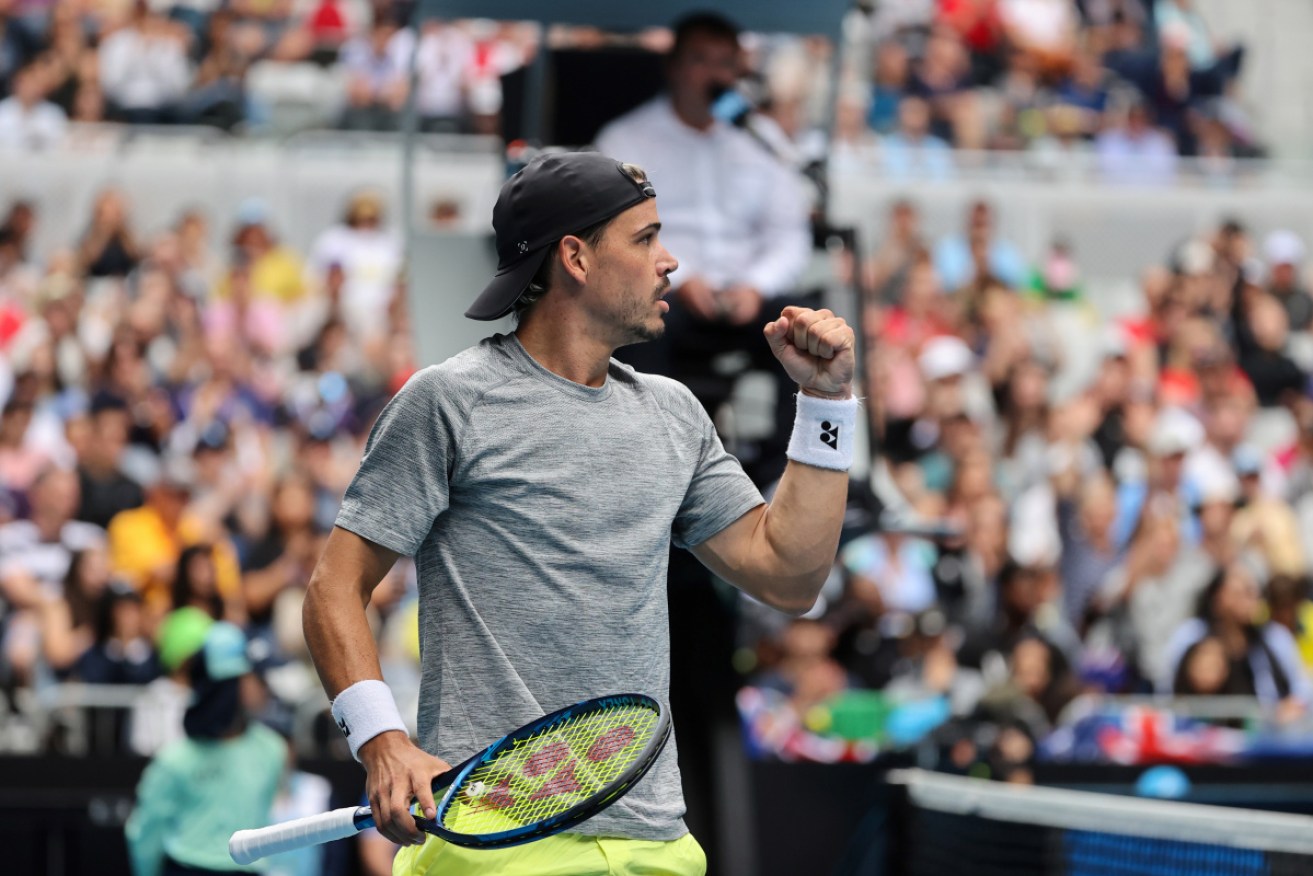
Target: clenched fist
{"points": [[816, 348]]}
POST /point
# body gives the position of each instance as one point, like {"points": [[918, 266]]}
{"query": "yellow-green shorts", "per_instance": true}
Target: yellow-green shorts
{"points": [[566, 854]]}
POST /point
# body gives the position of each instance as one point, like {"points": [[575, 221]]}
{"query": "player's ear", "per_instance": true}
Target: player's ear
{"points": [[575, 258]]}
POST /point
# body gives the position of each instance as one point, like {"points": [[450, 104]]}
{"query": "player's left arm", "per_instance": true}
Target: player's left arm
{"points": [[781, 553]]}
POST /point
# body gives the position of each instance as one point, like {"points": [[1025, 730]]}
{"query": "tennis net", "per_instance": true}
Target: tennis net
{"points": [[971, 827]]}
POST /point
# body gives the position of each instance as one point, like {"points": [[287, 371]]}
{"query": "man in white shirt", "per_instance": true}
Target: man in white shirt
{"points": [[446, 54], [144, 69], [26, 120], [736, 215]]}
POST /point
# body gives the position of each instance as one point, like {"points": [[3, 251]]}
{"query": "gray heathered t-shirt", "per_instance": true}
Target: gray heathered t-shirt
{"points": [[540, 513]]}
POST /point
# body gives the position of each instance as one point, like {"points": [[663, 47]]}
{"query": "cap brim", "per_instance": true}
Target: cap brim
{"points": [[499, 296]]}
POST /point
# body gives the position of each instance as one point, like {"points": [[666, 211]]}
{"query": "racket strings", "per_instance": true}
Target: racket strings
{"points": [[543, 775]]}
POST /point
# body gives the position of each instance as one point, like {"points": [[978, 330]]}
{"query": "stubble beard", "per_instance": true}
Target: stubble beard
{"points": [[640, 329]]}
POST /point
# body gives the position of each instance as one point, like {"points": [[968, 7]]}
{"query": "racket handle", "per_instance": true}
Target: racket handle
{"points": [[246, 846]]}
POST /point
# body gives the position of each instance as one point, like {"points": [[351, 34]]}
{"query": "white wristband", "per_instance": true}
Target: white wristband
{"points": [[823, 432], [364, 710]]}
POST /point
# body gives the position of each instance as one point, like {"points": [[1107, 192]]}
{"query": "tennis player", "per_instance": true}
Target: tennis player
{"points": [[539, 483]]}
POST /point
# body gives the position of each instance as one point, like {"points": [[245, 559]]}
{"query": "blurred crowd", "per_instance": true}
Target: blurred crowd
{"points": [[1133, 84], [197, 62], [1127, 86], [1141, 529], [179, 423]]}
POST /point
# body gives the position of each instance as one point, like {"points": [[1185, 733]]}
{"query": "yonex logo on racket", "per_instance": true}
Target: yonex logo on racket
{"points": [[557, 762]]}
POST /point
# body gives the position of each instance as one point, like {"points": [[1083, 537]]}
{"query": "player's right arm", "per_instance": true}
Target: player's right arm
{"points": [[342, 646]]}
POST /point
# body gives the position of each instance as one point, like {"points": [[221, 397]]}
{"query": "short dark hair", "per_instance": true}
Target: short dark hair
{"points": [[542, 280], [712, 24]]}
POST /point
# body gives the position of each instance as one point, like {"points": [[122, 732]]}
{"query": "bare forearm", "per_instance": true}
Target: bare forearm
{"points": [[800, 533], [782, 553], [333, 616]]}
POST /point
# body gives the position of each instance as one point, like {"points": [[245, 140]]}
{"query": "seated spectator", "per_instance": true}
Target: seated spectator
{"points": [[104, 488], [1274, 374], [68, 620], [1085, 516], [1284, 253], [1085, 90], [1152, 593], [121, 653], [369, 256], [376, 79], [145, 543], [911, 152], [805, 671], [144, 69], [109, 246], [888, 87], [281, 558], [443, 60], [1131, 151], [1261, 656], [27, 120], [956, 264], [899, 246], [890, 572], [1024, 609], [942, 77], [1290, 606], [1175, 93], [1264, 523], [196, 584], [218, 94], [1204, 669], [21, 461]]}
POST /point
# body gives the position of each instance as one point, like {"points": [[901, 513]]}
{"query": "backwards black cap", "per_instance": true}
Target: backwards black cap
{"points": [[554, 195]]}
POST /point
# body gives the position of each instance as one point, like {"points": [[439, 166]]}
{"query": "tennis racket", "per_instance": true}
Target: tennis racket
{"points": [[539, 780]]}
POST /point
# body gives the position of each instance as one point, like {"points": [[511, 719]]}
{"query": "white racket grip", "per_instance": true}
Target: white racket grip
{"points": [[246, 846]]}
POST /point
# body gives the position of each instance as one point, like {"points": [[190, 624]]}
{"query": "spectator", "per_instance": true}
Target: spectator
{"points": [[899, 247], [281, 560], [370, 259], [734, 213], [145, 543], [890, 573], [912, 152], [1153, 592], [27, 120], [1284, 253], [443, 60], [144, 69], [1289, 605], [20, 459], [1261, 656], [68, 619], [889, 86], [42, 546], [1274, 375], [956, 259], [1263, 522], [104, 488], [1132, 152], [196, 584], [109, 246], [942, 77], [121, 652], [376, 79]]}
